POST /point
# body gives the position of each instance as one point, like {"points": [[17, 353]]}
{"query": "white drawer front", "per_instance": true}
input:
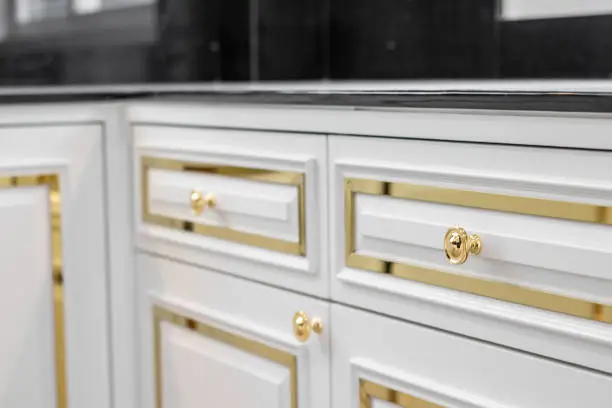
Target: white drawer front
{"points": [[263, 208], [208, 339], [380, 362], [543, 228], [548, 261], [247, 203]]}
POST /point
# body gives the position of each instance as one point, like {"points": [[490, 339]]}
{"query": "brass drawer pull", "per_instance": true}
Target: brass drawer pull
{"points": [[303, 326], [200, 202], [458, 245]]}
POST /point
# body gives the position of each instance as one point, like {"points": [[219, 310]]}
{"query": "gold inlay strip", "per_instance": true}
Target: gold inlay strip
{"points": [[483, 287], [51, 181], [245, 344], [269, 176], [369, 390]]}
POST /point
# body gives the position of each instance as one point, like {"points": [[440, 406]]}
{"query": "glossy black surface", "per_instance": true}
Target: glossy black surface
{"points": [[242, 40], [413, 39], [523, 101]]}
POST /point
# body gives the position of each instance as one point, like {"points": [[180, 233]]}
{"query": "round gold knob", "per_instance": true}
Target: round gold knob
{"points": [[199, 202], [458, 245], [303, 326]]}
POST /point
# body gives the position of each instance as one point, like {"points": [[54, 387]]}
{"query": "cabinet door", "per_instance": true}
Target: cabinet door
{"points": [[54, 344], [382, 362], [211, 340]]}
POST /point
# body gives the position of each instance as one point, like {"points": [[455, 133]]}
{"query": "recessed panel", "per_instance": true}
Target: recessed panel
{"points": [[257, 207], [410, 366], [197, 364], [198, 371], [27, 343], [243, 205], [533, 251]]}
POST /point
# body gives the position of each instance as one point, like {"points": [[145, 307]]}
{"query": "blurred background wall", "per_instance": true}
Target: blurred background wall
{"points": [[132, 41]]}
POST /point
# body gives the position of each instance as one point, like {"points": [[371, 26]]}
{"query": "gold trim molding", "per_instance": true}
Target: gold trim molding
{"points": [[269, 176], [483, 287], [369, 390], [51, 181], [245, 344]]}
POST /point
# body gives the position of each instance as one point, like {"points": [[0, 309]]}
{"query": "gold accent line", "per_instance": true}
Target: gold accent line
{"points": [[54, 197], [488, 201], [248, 345], [483, 287], [369, 390], [269, 176]]}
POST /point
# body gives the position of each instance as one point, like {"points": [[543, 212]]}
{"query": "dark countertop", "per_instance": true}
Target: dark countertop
{"points": [[554, 96]]}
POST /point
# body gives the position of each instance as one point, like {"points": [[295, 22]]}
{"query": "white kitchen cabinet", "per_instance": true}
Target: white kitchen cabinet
{"points": [[208, 339], [381, 362], [526, 322], [218, 283], [54, 347], [253, 204], [539, 279]]}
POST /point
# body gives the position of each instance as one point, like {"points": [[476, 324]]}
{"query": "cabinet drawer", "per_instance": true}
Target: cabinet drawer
{"points": [[226, 199], [209, 339], [382, 362], [526, 226], [257, 207]]}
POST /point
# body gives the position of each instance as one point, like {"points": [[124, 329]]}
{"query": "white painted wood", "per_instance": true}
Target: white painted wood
{"points": [[557, 256], [248, 309], [266, 209], [118, 209], [589, 131], [537, 9], [75, 153], [266, 150], [27, 355], [203, 372], [568, 258], [451, 371], [120, 243]]}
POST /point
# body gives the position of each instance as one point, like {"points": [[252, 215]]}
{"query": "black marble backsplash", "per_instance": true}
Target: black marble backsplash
{"points": [[240, 40]]}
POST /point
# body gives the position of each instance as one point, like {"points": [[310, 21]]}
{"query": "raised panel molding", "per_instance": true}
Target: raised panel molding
{"points": [[64, 159], [304, 154], [32, 348], [390, 382], [257, 207], [430, 366], [189, 349], [244, 316], [551, 334], [303, 265]]}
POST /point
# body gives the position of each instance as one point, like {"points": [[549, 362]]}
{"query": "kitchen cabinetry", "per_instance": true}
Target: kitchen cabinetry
{"points": [[278, 265], [458, 278], [54, 348], [383, 362], [208, 339]]}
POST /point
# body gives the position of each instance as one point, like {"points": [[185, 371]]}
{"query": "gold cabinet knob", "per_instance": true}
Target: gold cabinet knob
{"points": [[458, 245], [303, 326], [199, 202]]}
